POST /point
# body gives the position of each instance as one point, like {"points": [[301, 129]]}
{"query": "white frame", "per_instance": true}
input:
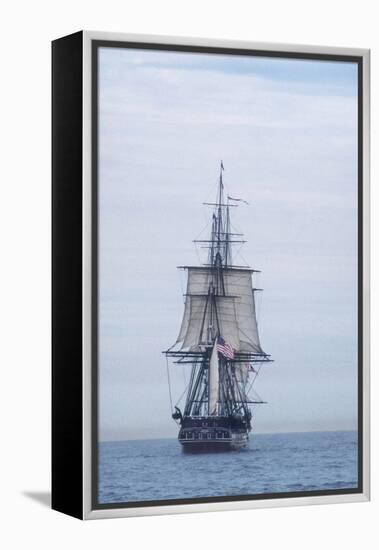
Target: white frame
{"points": [[88, 512]]}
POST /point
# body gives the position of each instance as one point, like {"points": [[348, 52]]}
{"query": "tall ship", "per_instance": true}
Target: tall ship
{"points": [[218, 341]]}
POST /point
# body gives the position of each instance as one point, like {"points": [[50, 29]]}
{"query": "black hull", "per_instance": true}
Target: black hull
{"points": [[214, 434], [211, 447]]}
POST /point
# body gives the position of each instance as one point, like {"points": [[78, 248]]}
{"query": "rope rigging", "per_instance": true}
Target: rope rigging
{"points": [[169, 385]]}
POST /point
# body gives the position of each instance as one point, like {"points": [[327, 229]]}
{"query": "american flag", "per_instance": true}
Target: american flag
{"points": [[225, 349]]}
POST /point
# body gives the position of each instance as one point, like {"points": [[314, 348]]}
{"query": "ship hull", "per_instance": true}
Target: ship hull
{"points": [[213, 446], [212, 434]]}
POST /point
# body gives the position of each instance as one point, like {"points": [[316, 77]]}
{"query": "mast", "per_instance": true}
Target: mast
{"points": [[220, 237], [219, 214], [216, 261]]}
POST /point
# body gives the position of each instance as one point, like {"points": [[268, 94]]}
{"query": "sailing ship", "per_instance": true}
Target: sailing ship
{"points": [[219, 339]]}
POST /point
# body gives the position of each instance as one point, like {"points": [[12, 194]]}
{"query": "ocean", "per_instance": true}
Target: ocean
{"points": [[157, 469]]}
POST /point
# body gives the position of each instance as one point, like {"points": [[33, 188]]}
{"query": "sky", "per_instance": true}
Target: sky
{"points": [[286, 131]]}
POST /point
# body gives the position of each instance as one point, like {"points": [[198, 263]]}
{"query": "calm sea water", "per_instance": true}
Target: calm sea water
{"points": [[273, 463]]}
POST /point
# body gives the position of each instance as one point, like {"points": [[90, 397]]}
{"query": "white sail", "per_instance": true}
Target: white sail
{"points": [[196, 331], [227, 319], [213, 381], [235, 320], [200, 325], [197, 284], [238, 283]]}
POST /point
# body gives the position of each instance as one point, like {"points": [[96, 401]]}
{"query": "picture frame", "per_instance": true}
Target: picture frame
{"points": [[77, 206]]}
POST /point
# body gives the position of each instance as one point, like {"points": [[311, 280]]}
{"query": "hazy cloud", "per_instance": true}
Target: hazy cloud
{"points": [[286, 131]]}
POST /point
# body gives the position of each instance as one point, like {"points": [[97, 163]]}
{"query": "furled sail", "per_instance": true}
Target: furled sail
{"points": [[213, 381], [234, 317]]}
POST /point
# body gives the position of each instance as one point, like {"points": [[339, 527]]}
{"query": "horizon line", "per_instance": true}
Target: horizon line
{"points": [[256, 433]]}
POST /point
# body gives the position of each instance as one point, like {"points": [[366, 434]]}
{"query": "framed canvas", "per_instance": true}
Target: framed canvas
{"points": [[246, 166]]}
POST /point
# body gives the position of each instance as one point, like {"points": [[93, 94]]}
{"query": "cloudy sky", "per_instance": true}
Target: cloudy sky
{"points": [[286, 131]]}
